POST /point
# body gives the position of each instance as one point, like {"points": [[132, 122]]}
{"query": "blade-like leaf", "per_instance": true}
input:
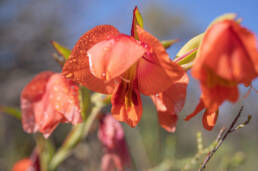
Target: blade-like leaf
{"points": [[63, 51], [137, 20], [11, 111], [192, 44], [138, 17], [168, 43], [186, 58]]}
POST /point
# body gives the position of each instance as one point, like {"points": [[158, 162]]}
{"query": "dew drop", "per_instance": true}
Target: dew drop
{"points": [[103, 74], [83, 52], [69, 75]]}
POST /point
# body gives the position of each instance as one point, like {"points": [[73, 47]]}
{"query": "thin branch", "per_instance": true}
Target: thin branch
{"points": [[221, 137]]}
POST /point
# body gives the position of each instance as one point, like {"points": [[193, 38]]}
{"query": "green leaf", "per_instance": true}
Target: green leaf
{"points": [[188, 52], [84, 97], [63, 51], [138, 16], [168, 43], [11, 111], [187, 58], [192, 44]]}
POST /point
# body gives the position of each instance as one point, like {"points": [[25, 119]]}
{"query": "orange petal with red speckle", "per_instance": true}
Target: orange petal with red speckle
{"points": [[64, 97], [58, 103], [77, 66], [36, 88]]}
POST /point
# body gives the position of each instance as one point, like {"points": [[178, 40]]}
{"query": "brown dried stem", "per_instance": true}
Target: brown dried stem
{"points": [[223, 135]]}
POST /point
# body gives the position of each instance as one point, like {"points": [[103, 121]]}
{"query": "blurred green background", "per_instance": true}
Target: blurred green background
{"points": [[27, 27]]}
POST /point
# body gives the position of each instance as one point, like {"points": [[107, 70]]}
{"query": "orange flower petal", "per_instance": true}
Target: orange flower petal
{"points": [[250, 42], [33, 93], [36, 88], [22, 165], [170, 103], [214, 96], [77, 66], [126, 104], [59, 103], [111, 58], [228, 49], [168, 120], [197, 110], [209, 119], [156, 65], [64, 98]]}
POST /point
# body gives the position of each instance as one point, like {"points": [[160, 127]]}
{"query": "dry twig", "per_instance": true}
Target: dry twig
{"points": [[223, 135]]}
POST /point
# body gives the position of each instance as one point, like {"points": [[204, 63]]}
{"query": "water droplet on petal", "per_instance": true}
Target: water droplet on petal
{"points": [[69, 75]]}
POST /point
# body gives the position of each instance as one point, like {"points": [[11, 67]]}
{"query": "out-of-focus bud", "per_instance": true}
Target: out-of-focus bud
{"points": [[111, 135]]}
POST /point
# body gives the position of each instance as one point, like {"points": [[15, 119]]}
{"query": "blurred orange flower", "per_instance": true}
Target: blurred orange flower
{"points": [[22, 165], [227, 57], [48, 100]]}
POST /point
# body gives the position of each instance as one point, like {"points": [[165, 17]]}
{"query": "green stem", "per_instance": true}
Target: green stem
{"points": [[78, 133]]}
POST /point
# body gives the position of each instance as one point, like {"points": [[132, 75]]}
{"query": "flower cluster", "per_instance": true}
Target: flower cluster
{"points": [[125, 66], [107, 61]]}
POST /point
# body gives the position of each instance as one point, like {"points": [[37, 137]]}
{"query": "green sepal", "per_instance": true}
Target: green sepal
{"points": [[190, 45], [84, 97], [61, 50], [138, 17], [187, 58], [11, 111], [137, 20], [168, 43]]}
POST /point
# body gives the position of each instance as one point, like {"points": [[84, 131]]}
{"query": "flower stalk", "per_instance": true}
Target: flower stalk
{"points": [[77, 134]]}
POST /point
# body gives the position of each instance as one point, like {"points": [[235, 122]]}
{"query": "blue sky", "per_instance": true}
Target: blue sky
{"points": [[202, 11]]}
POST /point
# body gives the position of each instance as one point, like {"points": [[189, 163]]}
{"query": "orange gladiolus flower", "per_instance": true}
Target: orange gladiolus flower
{"points": [[227, 57], [48, 100], [107, 61]]}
